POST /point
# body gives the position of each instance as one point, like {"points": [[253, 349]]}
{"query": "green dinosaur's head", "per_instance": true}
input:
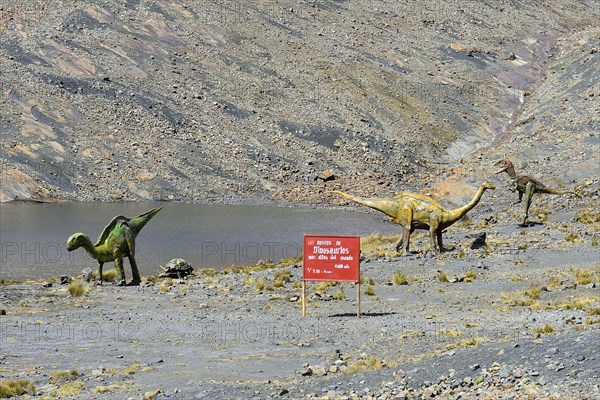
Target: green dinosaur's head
{"points": [[75, 241]]}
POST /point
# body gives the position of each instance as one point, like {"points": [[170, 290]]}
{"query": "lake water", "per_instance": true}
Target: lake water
{"points": [[33, 236]]}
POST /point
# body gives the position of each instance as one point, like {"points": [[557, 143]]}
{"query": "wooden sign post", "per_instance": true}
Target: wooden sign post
{"points": [[331, 259]]}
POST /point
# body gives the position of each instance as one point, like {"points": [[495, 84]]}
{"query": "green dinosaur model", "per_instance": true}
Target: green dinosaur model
{"points": [[527, 185], [415, 211], [116, 241]]}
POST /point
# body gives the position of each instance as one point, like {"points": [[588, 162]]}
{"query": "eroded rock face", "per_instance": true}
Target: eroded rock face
{"points": [[15, 185]]}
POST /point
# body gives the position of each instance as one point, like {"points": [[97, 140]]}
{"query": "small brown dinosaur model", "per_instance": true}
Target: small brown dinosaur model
{"points": [[526, 185], [415, 211]]}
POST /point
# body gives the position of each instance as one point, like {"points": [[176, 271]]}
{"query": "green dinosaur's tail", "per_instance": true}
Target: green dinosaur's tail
{"points": [[386, 206], [559, 192], [137, 223]]}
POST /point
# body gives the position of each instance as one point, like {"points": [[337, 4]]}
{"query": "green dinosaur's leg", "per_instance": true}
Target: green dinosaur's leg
{"points": [[528, 196], [99, 280], [520, 197], [120, 271], [130, 238], [134, 270]]}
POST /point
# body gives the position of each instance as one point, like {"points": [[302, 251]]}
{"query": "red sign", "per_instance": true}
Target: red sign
{"points": [[331, 258]]}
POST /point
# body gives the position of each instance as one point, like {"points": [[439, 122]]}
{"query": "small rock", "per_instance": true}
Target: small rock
{"points": [[463, 49], [504, 373], [428, 393], [474, 367], [3, 312], [326, 176], [542, 381], [574, 374], [87, 274], [47, 284], [479, 241], [518, 373], [152, 395], [319, 370]]}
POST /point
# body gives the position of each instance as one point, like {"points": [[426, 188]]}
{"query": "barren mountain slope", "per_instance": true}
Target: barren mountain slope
{"points": [[225, 101]]}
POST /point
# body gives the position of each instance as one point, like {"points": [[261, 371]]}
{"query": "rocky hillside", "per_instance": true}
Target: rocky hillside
{"points": [[230, 101]]}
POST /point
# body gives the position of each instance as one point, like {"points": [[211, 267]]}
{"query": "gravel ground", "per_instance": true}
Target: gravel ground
{"points": [[512, 320]]}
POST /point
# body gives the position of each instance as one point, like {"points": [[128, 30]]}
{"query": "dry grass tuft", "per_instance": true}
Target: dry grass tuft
{"points": [[210, 280], [166, 285], [63, 376], [470, 276], [77, 289], [583, 276], [448, 332], [442, 277], [107, 276], [594, 311], [378, 245], [544, 330], [283, 276], [10, 388], [399, 279], [573, 237], [69, 389], [524, 298], [367, 364], [474, 341], [587, 215], [577, 303], [340, 294], [260, 283]]}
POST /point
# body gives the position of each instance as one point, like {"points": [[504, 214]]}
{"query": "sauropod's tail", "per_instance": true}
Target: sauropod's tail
{"points": [[385, 205]]}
